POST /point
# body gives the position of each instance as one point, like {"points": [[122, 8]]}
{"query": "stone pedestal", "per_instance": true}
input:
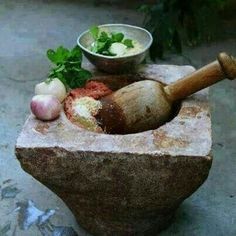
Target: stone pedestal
{"points": [[123, 184]]}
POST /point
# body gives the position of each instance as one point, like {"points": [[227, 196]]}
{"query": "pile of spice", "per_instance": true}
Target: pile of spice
{"points": [[82, 105]]}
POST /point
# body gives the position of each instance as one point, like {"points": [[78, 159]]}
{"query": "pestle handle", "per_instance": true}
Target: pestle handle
{"points": [[223, 67]]}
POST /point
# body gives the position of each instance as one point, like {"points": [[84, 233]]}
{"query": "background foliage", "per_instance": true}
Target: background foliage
{"points": [[174, 23]]}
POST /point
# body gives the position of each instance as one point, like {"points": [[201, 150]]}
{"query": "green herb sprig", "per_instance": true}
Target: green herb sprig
{"points": [[68, 67], [103, 41]]}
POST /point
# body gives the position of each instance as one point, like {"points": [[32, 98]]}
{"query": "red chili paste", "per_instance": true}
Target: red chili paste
{"points": [[92, 89]]}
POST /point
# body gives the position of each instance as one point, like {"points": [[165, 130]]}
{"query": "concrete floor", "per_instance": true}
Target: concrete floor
{"points": [[27, 29]]}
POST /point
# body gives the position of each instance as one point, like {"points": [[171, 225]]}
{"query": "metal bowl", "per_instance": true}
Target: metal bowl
{"points": [[117, 64]]}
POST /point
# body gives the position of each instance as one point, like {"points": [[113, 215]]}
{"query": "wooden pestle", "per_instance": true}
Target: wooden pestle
{"points": [[148, 104]]}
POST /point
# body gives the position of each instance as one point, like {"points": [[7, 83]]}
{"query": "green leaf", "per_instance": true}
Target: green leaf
{"points": [[62, 78], [81, 77], [128, 43], [99, 47], [85, 74], [62, 54], [76, 53], [51, 55], [58, 56], [60, 68], [51, 74], [118, 37], [103, 37], [94, 30], [68, 67]]}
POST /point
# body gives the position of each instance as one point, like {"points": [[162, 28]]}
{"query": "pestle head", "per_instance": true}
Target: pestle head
{"points": [[228, 65], [137, 107]]}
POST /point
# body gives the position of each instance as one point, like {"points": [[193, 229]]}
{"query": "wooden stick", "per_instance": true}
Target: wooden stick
{"points": [[224, 67]]}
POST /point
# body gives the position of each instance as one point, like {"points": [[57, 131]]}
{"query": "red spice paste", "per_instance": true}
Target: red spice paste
{"points": [[92, 89]]}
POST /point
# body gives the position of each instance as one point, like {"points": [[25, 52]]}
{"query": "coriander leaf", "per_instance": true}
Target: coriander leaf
{"points": [[51, 55], [62, 54], [80, 79], [68, 67], [128, 43], [60, 68], [102, 43], [98, 47], [76, 54], [51, 74], [103, 37], [118, 37], [84, 74], [62, 78], [94, 30], [58, 56]]}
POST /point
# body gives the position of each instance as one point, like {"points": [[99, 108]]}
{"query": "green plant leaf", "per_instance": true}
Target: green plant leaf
{"points": [[61, 54], [128, 43], [81, 78], [103, 37], [58, 56], [118, 37], [51, 55], [94, 30], [98, 46], [68, 67], [76, 53], [60, 68]]}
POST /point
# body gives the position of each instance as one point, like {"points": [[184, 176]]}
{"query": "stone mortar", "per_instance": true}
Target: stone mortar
{"points": [[123, 184]]}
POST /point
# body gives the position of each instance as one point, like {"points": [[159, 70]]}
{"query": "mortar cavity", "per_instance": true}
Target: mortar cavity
{"points": [[88, 103]]}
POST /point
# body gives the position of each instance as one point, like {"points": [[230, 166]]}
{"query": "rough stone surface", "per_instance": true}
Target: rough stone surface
{"points": [[123, 184]]}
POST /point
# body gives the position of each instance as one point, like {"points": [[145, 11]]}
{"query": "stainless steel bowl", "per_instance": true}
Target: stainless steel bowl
{"points": [[117, 64]]}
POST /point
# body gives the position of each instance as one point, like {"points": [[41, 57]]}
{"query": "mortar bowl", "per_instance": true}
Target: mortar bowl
{"points": [[123, 184]]}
